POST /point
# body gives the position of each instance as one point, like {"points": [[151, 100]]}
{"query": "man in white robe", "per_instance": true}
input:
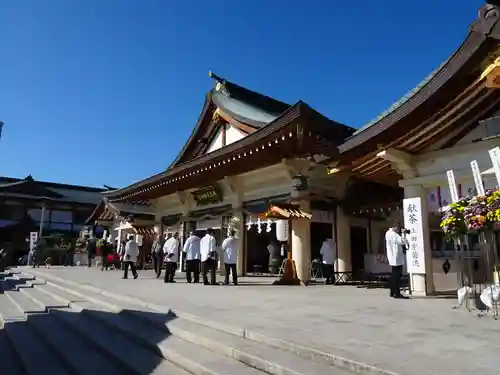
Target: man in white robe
{"points": [[130, 257], [396, 245], [327, 252], [208, 249], [171, 251], [192, 254], [230, 249]]}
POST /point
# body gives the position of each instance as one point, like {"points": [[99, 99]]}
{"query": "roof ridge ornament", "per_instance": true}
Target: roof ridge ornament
{"points": [[488, 18], [220, 86]]}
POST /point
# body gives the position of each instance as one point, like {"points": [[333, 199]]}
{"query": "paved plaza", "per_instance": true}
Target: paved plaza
{"points": [[418, 336]]}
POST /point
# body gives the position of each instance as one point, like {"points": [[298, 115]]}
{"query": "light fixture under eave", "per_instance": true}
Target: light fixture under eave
{"points": [[492, 74], [333, 170]]}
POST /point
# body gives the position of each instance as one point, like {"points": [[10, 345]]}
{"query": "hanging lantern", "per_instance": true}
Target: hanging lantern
{"points": [[282, 230], [268, 226], [259, 228]]}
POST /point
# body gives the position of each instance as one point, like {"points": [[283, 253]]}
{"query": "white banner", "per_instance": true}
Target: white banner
{"points": [[33, 239], [452, 185], [415, 258], [478, 181], [495, 159]]}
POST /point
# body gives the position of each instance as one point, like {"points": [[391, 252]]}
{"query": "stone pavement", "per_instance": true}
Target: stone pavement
{"points": [[408, 337]]}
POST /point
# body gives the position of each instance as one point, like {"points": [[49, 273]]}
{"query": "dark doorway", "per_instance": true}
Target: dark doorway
{"points": [[319, 233], [359, 247]]}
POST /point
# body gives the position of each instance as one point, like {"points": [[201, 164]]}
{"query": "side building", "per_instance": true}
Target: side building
{"points": [[27, 204]]}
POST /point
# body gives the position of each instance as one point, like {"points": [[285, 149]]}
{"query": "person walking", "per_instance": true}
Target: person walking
{"points": [[104, 251], [157, 255], [171, 251], [91, 251], [230, 250], [208, 256], [192, 255], [395, 246], [130, 257], [327, 252]]}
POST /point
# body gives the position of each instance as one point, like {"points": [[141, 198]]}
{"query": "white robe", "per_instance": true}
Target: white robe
{"points": [[171, 250], [230, 249], [328, 251], [192, 248], [131, 251], [207, 246], [394, 245]]}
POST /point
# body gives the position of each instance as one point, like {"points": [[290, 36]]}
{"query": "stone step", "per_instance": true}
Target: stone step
{"points": [[133, 358], [36, 356], [23, 277], [10, 283], [196, 359], [265, 353], [42, 299], [24, 303], [9, 312], [76, 354], [59, 294], [10, 363], [263, 357]]}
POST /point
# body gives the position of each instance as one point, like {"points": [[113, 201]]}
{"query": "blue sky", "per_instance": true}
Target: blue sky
{"points": [[107, 91]]}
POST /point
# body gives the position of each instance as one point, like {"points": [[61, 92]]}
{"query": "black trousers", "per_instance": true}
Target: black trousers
{"points": [[193, 267], [157, 259], [89, 259], [104, 261], [170, 268], [206, 267], [396, 280], [68, 258], [126, 265], [232, 268], [328, 273]]}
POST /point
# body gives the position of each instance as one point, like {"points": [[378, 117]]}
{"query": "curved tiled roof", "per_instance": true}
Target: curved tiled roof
{"points": [[442, 85], [405, 98]]}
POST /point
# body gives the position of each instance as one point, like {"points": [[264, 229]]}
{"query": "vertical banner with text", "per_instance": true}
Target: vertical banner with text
{"points": [[478, 181], [33, 239], [415, 257], [452, 185], [495, 159]]}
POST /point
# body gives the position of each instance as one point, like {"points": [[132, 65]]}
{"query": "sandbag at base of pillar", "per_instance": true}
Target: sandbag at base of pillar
{"points": [[289, 276]]}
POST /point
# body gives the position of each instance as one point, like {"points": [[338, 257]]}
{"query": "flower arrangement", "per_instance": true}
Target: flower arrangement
{"points": [[494, 208], [475, 214], [453, 222]]}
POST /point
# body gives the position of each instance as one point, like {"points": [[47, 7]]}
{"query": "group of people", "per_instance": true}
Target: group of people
{"points": [[201, 256]]}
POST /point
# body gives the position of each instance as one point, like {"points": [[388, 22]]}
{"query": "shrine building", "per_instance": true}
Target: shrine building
{"points": [[248, 151]]}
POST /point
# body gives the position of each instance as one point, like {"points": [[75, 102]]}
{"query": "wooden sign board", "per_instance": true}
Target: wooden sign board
{"points": [[207, 195]]}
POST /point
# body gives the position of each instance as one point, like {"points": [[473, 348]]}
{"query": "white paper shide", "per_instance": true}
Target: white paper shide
{"points": [[413, 222]]}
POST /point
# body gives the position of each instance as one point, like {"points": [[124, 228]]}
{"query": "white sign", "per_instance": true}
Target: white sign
{"points": [[33, 239], [453, 185], [495, 159], [415, 259], [478, 181]]}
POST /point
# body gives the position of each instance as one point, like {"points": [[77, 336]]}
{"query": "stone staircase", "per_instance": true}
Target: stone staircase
{"points": [[49, 327]]}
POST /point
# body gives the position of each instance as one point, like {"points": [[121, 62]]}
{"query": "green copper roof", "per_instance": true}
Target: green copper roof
{"points": [[404, 99]]}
